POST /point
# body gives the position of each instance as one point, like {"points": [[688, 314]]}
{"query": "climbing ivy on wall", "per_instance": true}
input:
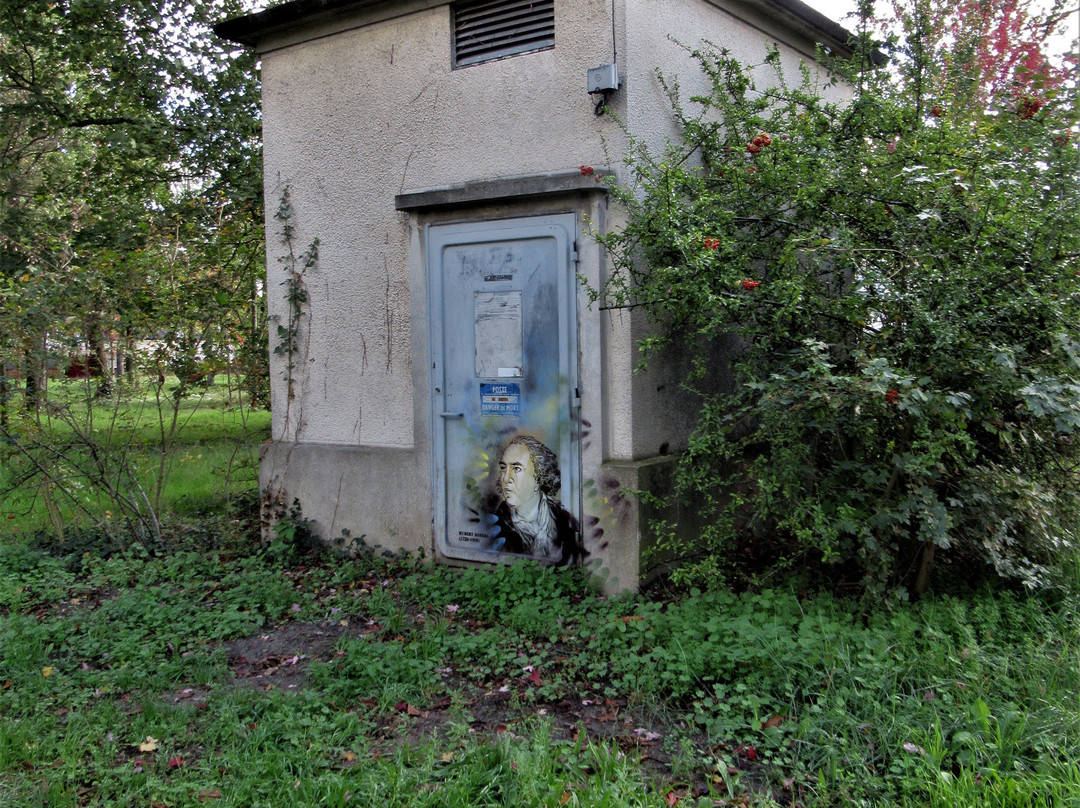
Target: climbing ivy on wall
{"points": [[297, 263]]}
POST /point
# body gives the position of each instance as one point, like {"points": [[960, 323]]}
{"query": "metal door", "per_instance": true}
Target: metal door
{"points": [[504, 389]]}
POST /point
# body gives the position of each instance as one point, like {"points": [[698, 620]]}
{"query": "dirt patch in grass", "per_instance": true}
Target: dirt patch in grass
{"points": [[496, 694], [280, 657]]}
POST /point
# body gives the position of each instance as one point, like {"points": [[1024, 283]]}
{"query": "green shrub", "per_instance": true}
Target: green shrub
{"points": [[893, 278]]}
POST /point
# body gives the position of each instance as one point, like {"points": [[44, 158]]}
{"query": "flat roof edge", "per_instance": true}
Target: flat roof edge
{"points": [[827, 31], [251, 28]]}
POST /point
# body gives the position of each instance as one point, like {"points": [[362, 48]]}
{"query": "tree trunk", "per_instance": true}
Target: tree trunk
{"points": [[129, 352], [3, 395], [96, 364], [32, 385], [926, 563]]}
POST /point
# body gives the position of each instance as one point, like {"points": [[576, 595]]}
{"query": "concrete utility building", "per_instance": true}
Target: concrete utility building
{"points": [[439, 378]]}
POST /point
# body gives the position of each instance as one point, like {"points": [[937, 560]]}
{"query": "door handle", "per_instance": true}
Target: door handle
{"points": [[452, 414]]}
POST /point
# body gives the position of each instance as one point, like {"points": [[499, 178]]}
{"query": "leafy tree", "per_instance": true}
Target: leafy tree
{"points": [[900, 271], [130, 164], [118, 121]]}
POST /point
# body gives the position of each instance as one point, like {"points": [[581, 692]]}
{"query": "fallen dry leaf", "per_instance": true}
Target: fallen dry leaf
{"points": [[149, 745], [208, 794]]}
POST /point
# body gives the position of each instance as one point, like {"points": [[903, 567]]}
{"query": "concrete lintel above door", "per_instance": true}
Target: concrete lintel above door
{"points": [[504, 188]]}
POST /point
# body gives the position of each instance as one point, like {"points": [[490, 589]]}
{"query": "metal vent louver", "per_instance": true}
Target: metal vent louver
{"points": [[497, 28]]}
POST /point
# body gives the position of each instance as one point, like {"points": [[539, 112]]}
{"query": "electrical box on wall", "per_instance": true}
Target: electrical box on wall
{"points": [[604, 79]]}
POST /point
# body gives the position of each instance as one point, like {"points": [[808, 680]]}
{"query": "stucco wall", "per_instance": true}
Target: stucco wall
{"points": [[740, 28], [355, 118]]}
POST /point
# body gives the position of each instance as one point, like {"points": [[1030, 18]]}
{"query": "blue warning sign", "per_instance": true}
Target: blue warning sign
{"points": [[500, 399]]}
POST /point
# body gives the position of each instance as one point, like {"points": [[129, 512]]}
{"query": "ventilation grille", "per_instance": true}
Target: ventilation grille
{"points": [[499, 28]]}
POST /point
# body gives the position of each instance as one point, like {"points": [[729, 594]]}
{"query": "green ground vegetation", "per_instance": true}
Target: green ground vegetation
{"points": [[152, 454], [127, 679]]}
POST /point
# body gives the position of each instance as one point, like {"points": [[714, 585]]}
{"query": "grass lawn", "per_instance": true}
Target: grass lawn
{"points": [[250, 678], [78, 463]]}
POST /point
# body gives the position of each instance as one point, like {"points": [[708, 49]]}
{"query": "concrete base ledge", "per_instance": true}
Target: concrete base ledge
{"points": [[380, 493], [635, 525]]}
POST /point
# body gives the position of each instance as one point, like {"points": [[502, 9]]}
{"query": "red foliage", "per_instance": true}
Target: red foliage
{"points": [[1002, 44]]}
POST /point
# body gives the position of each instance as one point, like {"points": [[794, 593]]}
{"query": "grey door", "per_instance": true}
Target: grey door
{"points": [[504, 388]]}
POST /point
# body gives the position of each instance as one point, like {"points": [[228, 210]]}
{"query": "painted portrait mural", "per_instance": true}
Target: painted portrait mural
{"points": [[528, 518]]}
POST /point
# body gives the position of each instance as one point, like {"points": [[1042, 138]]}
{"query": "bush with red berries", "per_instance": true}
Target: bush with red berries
{"points": [[902, 280]]}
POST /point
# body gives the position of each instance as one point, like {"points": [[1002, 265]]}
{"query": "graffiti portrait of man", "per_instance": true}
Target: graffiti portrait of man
{"points": [[529, 517]]}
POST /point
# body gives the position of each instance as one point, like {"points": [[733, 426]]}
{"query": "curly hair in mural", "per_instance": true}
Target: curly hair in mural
{"points": [[530, 520]]}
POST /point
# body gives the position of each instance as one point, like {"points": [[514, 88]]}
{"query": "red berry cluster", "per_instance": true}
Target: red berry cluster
{"points": [[759, 143], [710, 243], [1028, 106], [589, 171], [892, 396], [750, 283]]}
